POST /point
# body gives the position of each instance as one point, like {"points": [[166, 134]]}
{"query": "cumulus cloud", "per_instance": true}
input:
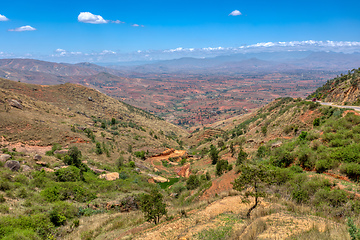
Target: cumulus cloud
{"points": [[22, 29], [59, 50], [235, 13], [135, 25], [3, 18], [87, 17]]}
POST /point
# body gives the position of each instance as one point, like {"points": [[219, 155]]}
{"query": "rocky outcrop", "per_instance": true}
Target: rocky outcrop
{"points": [[12, 165], [110, 176], [15, 103], [184, 171], [63, 151], [4, 157], [158, 178], [125, 205]]}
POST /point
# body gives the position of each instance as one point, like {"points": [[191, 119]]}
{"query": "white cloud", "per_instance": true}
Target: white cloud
{"points": [[135, 25], [235, 13], [3, 18], [60, 50], [117, 22], [22, 29], [87, 17]]}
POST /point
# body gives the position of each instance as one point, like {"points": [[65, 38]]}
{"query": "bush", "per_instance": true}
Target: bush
{"points": [[316, 122], [140, 154], [242, 156], [334, 198], [221, 167], [193, 182], [324, 165], [352, 170], [52, 194], [282, 158], [20, 234], [69, 174]]}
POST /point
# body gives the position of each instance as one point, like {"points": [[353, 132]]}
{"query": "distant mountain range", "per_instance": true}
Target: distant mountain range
{"points": [[252, 62], [42, 72]]}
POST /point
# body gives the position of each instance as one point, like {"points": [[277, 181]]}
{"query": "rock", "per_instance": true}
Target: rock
{"points": [[98, 171], [125, 205], [158, 178], [90, 99], [12, 165], [15, 103], [41, 163], [137, 169], [63, 151], [141, 166], [110, 176], [47, 169], [4, 157], [276, 144], [25, 168], [184, 171], [37, 157], [173, 163]]}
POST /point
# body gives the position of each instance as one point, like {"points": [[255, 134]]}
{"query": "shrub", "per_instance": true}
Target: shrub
{"points": [[323, 165], [98, 149], [132, 164], [193, 182], [303, 135], [283, 158], [52, 194], [352, 170], [221, 167], [316, 122], [20, 234], [140, 154], [69, 174], [300, 195], [334, 198], [242, 156]]}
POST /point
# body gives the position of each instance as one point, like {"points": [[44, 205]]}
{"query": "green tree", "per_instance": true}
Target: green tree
{"points": [[73, 157], [221, 167], [252, 182], [232, 150], [242, 156], [214, 154], [152, 206]]}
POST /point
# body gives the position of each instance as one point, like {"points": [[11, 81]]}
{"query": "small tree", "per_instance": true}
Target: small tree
{"points": [[214, 154], [152, 206], [251, 183], [241, 157]]}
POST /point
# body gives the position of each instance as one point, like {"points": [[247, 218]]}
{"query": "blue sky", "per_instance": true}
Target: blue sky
{"points": [[169, 24]]}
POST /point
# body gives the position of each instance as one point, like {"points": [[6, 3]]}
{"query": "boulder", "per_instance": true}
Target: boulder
{"points": [[12, 165], [4, 157], [41, 163], [47, 169], [158, 178], [15, 103], [37, 157], [63, 151], [110, 176], [25, 168]]}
